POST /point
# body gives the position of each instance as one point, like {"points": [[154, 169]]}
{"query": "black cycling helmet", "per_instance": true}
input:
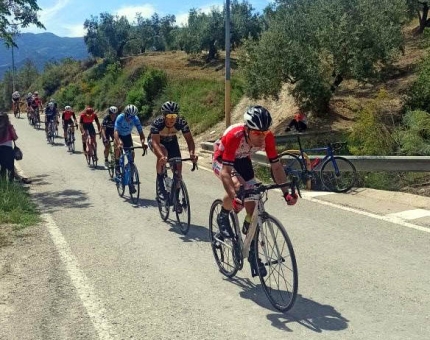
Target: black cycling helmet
{"points": [[170, 107], [257, 118]]}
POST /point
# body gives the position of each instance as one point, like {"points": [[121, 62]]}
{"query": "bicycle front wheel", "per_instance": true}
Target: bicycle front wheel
{"points": [[163, 204], [275, 250], [340, 180], [119, 180], [111, 165], [223, 248], [134, 184], [182, 208]]}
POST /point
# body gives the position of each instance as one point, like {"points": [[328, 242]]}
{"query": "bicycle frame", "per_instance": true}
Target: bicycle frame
{"points": [[176, 180]]}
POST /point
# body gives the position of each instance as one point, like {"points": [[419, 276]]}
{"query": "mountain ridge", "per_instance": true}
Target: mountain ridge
{"points": [[41, 48]]}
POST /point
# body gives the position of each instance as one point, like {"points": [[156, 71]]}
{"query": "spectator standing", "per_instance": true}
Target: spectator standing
{"points": [[7, 138]]}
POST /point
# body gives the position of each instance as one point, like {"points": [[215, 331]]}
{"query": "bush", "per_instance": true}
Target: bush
{"points": [[418, 96], [414, 135]]}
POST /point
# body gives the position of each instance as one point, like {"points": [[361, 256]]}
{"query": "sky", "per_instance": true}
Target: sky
{"points": [[65, 18]]}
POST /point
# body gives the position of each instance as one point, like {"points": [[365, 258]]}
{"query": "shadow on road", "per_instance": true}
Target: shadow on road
{"points": [[52, 201], [39, 180], [306, 312], [196, 232]]}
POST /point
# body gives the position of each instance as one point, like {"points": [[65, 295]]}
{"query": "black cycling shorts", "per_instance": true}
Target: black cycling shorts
{"points": [[172, 147], [127, 141]]}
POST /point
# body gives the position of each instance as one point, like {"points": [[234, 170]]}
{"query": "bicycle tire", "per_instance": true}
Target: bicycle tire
{"points": [[294, 167], [119, 179], [342, 182], [163, 205], [222, 251], [280, 263], [182, 209], [134, 180], [111, 162]]}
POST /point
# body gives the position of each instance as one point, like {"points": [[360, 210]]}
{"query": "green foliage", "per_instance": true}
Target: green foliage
{"points": [[418, 96], [315, 44], [369, 135], [414, 135], [16, 14], [16, 206]]}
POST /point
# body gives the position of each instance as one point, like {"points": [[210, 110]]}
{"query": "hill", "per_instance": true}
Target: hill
{"points": [[41, 48]]}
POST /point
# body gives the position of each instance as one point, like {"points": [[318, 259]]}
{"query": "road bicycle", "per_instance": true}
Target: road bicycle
{"points": [[17, 110], [111, 159], [91, 149], [50, 133], [335, 173], [70, 137], [176, 195], [35, 117], [266, 239], [127, 174]]}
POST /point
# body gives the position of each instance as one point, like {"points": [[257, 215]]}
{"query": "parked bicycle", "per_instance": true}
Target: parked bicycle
{"points": [[70, 137], [266, 239], [335, 173], [50, 133], [91, 150], [128, 174], [177, 195], [111, 159]]}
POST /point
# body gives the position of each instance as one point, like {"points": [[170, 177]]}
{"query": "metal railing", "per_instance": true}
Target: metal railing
{"points": [[362, 163]]}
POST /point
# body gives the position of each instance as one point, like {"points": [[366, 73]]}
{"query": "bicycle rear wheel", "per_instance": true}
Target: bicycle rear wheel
{"points": [[294, 167], [338, 181], [222, 248], [182, 208], [275, 250], [163, 205], [134, 182]]}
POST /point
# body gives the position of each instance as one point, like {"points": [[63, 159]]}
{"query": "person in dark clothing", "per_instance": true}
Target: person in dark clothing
{"points": [[299, 122], [7, 138]]}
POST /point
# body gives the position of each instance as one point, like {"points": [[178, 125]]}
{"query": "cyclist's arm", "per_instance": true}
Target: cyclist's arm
{"points": [[279, 174], [139, 129], [81, 125], [227, 182], [190, 142], [156, 146], [97, 122]]}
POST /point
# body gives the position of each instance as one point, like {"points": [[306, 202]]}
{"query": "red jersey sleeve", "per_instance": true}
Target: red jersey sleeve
{"points": [[272, 153], [231, 143]]}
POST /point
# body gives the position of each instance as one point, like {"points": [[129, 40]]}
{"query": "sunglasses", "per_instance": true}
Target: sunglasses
{"points": [[258, 133], [171, 116]]}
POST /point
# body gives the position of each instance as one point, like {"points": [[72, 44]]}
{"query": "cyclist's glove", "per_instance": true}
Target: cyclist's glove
{"points": [[291, 199], [237, 205]]}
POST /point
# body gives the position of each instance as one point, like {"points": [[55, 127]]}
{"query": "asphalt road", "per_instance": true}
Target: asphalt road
{"points": [[102, 268]]}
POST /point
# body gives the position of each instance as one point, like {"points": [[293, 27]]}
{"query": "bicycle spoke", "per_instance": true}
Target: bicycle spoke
{"points": [[276, 252]]}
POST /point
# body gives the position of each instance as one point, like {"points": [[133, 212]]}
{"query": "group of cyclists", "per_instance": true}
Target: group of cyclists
{"points": [[231, 161]]}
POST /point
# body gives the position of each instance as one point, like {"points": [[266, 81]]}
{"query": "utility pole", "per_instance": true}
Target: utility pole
{"points": [[227, 101]]}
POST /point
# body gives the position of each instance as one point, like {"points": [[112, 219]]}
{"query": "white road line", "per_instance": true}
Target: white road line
{"points": [[411, 214], [86, 292]]}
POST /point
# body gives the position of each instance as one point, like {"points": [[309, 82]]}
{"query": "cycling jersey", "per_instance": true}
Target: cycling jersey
{"points": [[35, 103], [108, 124], [158, 127], [124, 128], [16, 95], [233, 145], [87, 122], [50, 113], [67, 115]]}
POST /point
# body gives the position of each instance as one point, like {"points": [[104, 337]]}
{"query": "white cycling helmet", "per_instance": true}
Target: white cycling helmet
{"points": [[113, 109], [68, 108], [130, 111]]}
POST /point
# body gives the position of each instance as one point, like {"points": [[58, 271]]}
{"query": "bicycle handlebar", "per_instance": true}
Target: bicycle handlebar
{"points": [[176, 160], [131, 148], [260, 188]]}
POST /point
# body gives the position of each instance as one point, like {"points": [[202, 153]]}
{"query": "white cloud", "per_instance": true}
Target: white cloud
{"points": [[74, 30], [130, 11], [49, 13]]}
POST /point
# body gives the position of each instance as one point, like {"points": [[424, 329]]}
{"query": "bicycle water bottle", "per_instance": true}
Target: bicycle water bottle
{"points": [[315, 162]]}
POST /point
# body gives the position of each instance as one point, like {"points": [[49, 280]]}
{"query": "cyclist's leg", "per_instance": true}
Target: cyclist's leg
{"points": [[159, 168]]}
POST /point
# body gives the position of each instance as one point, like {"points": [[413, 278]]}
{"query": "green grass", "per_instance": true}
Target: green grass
{"points": [[15, 206]]}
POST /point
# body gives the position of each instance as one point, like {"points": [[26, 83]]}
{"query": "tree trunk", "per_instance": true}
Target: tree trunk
{"points": [[424, 21], [212, 51]]}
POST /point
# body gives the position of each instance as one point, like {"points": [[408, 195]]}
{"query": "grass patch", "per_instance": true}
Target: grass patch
{"points": [[16, 207]]}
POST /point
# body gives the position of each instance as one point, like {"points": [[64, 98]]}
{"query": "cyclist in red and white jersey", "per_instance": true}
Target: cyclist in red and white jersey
{"points": [[232, 164], [69, 118]]}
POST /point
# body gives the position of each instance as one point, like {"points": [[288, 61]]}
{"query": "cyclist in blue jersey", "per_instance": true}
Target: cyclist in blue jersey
{"points": [[124, 124]]}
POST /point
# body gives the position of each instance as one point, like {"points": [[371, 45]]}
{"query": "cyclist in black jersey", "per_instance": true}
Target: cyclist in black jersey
{"points": [[163, 142], [108, 127]]}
